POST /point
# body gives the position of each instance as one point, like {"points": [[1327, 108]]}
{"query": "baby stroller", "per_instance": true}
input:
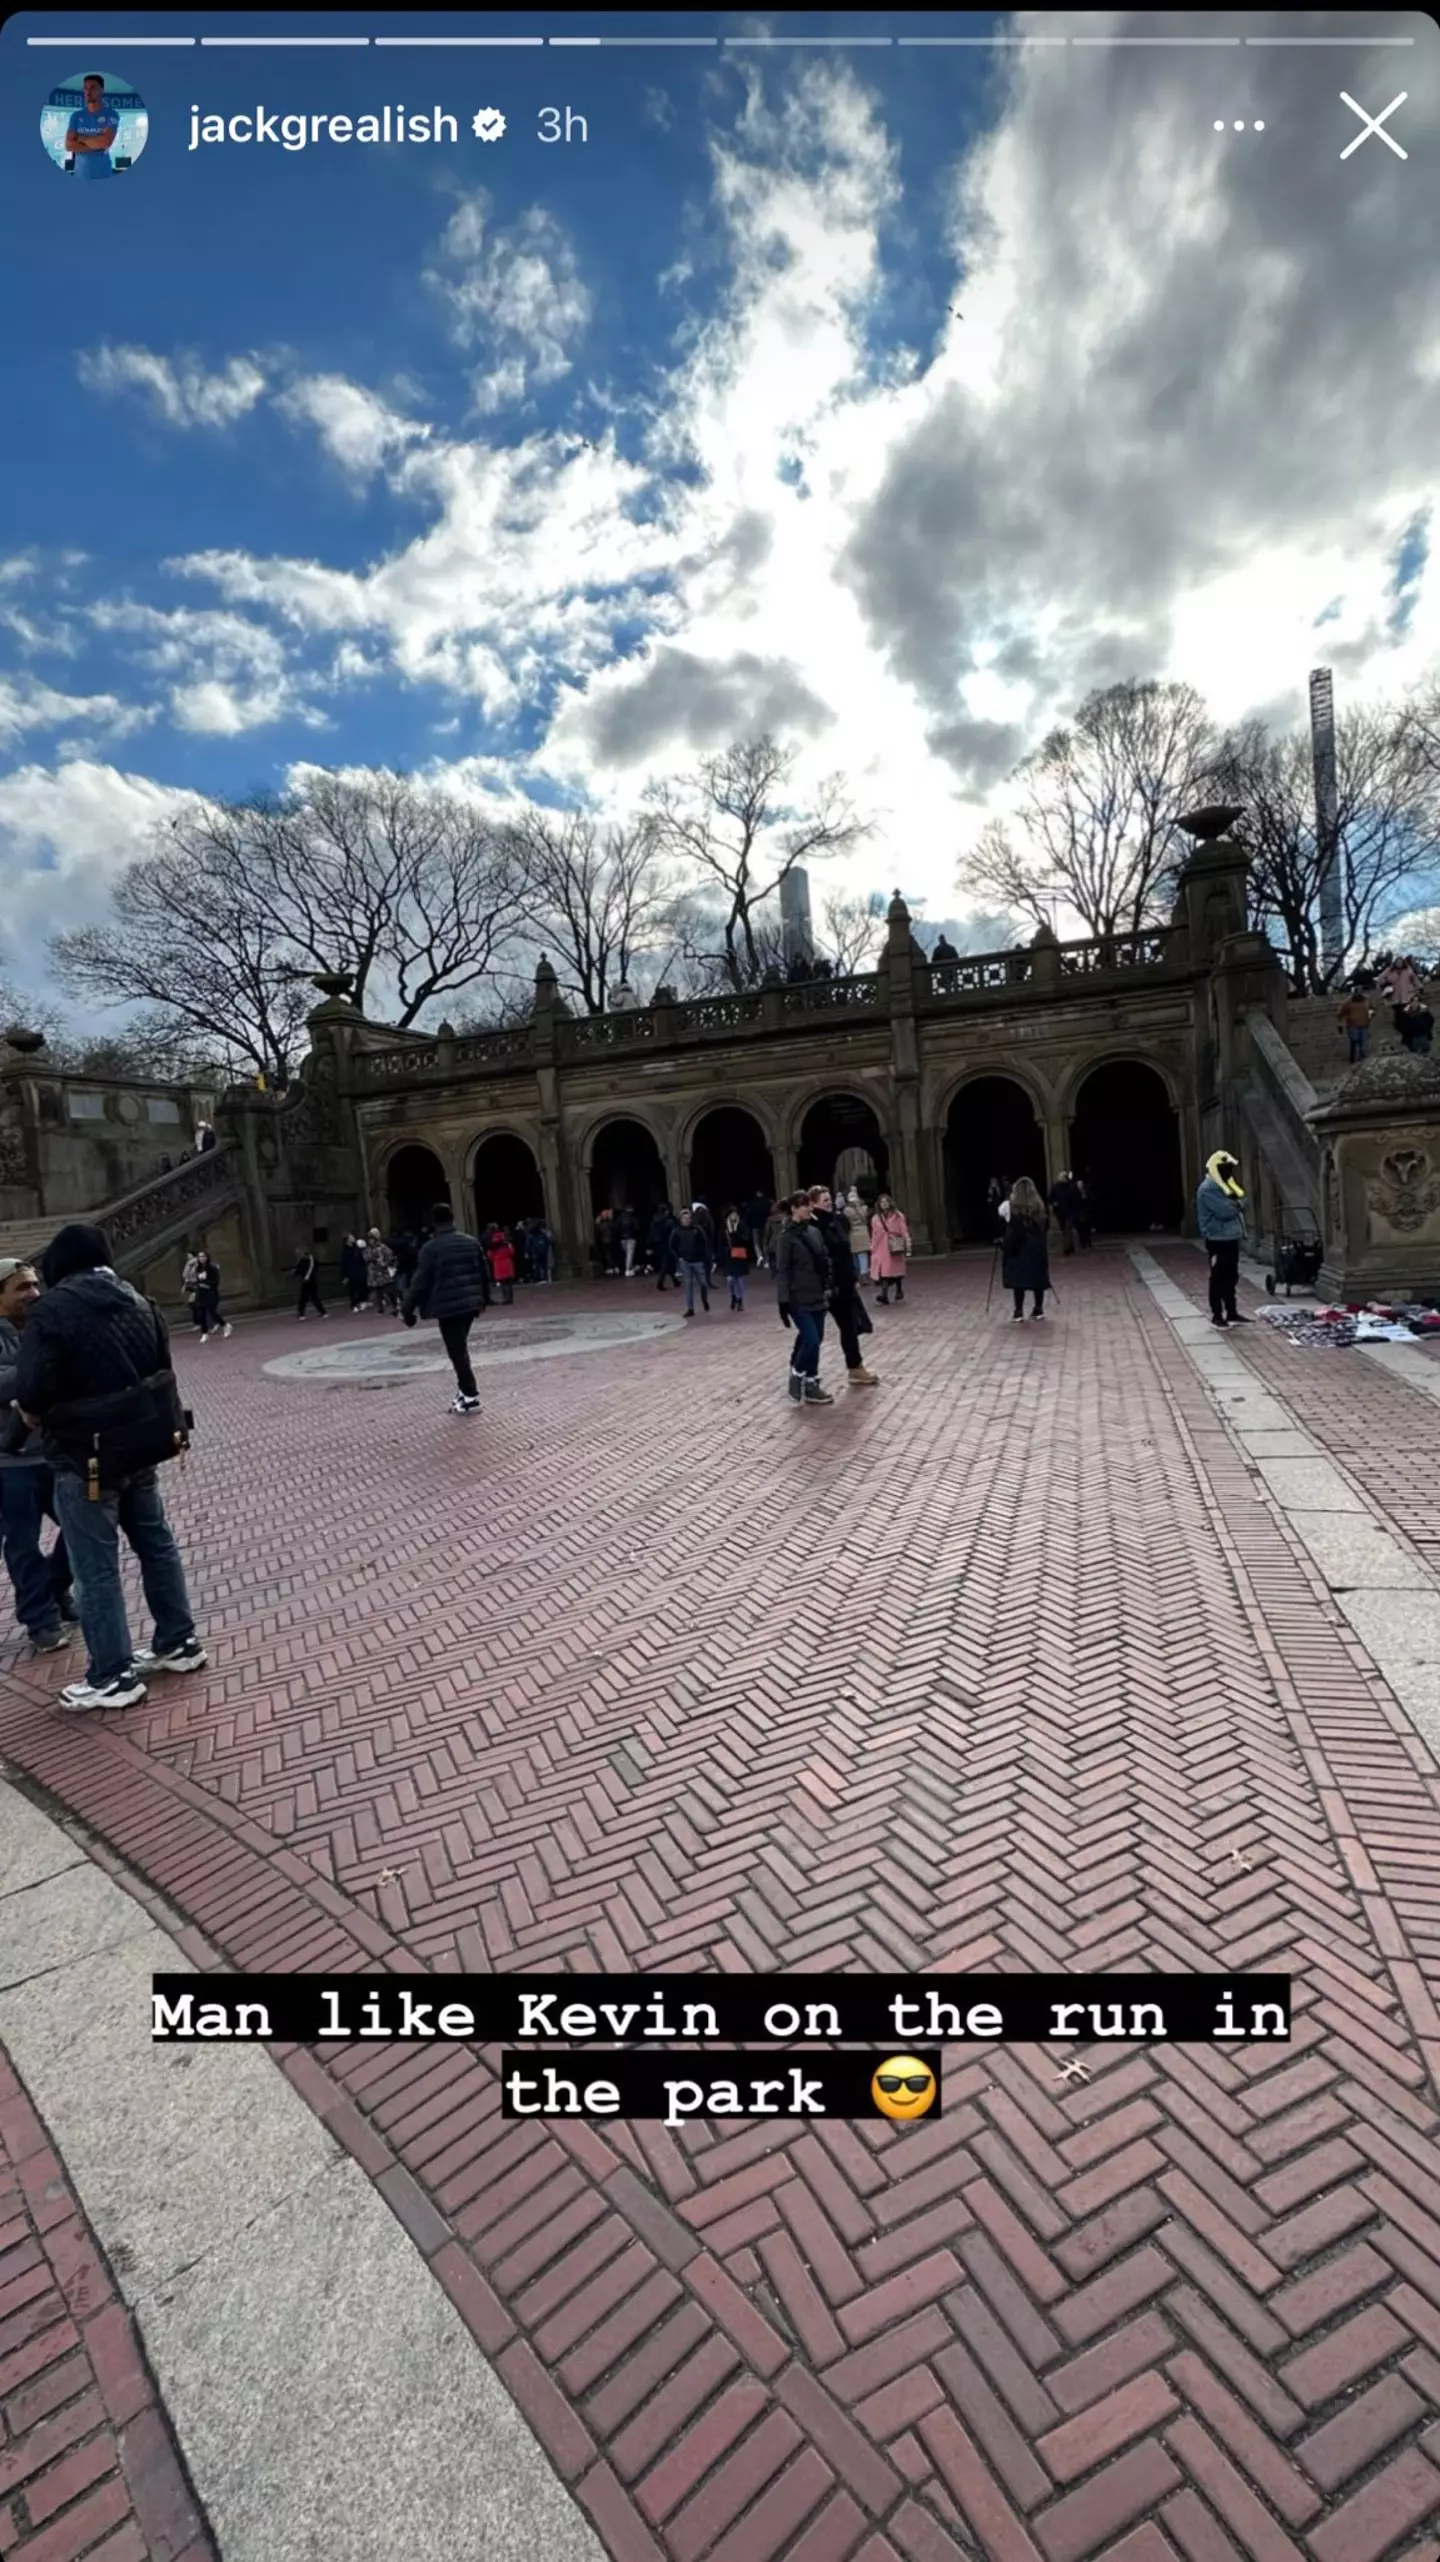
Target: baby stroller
{"points": [[1299, 1253]]}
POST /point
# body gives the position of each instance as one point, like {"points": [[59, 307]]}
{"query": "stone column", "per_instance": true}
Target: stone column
{"points": [[1380, 1205], [568, 1231]]}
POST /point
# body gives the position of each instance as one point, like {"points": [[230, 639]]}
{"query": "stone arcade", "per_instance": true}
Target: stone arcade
{"points": [[1128, 1058]]}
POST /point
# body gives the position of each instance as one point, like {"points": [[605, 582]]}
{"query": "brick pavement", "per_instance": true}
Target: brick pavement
{"points": [[87, 2463], [1008, 1665]]}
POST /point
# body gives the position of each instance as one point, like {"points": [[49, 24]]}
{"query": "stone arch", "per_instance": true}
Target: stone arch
{"points": [[626, 1165], [729, 1156], [993, 1127], [1124, 1124], [504, 1179], [840, 1138], [415, 1179]]}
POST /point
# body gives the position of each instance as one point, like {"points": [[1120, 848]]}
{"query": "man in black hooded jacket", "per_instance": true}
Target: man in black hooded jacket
{"points": [[452, 1285], [90, 1336]]}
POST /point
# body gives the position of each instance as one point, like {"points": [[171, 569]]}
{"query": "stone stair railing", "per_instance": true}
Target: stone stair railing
{"points": [[139, 1222]]}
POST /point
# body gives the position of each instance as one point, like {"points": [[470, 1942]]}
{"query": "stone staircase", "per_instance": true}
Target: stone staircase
{"points": [[143, 1223]]}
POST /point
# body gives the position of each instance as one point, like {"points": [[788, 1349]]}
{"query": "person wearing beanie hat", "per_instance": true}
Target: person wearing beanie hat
{"points": [[41, 1584], [94, 1376]]}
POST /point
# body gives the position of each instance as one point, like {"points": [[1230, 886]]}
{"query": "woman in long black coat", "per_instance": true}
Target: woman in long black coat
{"points": [[1025, 1248]]}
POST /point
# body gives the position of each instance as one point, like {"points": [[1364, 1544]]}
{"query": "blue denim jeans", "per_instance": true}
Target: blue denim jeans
{"points": [[41, 1583], [736, 1279], [696, 1278], [1359, 1041], [809, 1327], [92, 1535]]}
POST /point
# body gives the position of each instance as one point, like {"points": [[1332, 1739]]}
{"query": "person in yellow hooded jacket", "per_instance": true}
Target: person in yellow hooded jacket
{"points": [[1220, 1217]]}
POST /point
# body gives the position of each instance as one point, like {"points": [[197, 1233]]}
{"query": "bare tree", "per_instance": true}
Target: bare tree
{"points": [[1389, 833], [733, 826], [599, 901], [187, 942], [854, 930], [413, 893], [1098, 803]]}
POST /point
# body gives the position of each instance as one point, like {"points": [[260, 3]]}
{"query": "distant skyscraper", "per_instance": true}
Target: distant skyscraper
{"points": [[1327, 823], [798, 932]]}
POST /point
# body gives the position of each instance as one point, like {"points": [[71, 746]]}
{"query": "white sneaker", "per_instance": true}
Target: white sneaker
{"points": [[204, 1339], [191, 1657], [227, 1330], [124, 1692]]}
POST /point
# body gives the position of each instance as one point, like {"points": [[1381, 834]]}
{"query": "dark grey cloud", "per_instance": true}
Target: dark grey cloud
{"points": [[982, 753], [1188, 347], [680, 700]]}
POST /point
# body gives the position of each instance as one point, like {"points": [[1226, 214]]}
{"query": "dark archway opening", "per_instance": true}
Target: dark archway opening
{"points": [[414, 1182], [506, 1182], [1125, 1146], [990, 1133], [729, 1160], [626, 1170], [842, 1144]]}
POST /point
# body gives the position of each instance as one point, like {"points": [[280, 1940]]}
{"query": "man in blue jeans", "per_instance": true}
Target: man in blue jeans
{"points": [[693, 1252], [802, 1287], [90, 1337], [41, 1584]]}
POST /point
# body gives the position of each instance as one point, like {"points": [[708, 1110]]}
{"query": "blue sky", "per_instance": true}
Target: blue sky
{"points": [[549, 467]]}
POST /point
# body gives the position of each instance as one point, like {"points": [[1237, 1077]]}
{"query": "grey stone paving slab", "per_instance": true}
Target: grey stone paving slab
{"points": [[1359, 1554], [1276, 1444], [73, 1915], [31, 1845], [330, 2403], [1310, 1485]]}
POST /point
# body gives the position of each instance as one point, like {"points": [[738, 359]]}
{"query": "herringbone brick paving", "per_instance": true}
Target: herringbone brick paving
{"points": [[1008, 1665], [87, 2463]]}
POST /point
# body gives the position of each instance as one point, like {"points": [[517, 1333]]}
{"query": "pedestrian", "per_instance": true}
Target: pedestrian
{"points": [[40, 1583], [756, 1212], [354, 1273], [1025, 1250], [1220, 1217], [1084, 1215], [852, 1317], [659, 1246], [1064, 1204], [802, 1289], [95, 1376], [737, 1251], [776, 1222], [857, 1224], [1417, 1028], [381, 1277], [207, 1297], [1400, 987], [405, 1246], [451, 1286], [206, 1137], [500, 1253], [943, 950], [307, 1274], [889, 1248], [629, 1236], [542, 1246], [690, 1248], [605, 1248], [1354, 1017], [700, 1213], [188, 1271]]}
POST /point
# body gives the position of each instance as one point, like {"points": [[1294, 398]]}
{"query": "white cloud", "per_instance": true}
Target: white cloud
{"points": [[66, 832], [185, 393], [357, 428], [25, 704], [516, 293]]}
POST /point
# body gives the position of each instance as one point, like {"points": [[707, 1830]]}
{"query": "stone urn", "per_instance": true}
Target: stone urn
{"points": [[25, 1044]]}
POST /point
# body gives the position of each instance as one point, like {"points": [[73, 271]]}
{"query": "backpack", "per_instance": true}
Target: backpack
{"points": [[111, 1437]]}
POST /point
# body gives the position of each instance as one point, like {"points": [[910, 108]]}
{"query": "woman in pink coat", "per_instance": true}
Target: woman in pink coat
{"points": [[889, 1249]]}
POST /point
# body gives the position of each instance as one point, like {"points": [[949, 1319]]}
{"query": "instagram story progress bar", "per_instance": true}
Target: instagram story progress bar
{"points": [[945, 30]]}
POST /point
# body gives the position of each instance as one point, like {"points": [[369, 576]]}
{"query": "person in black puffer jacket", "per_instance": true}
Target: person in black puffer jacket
{"points": [[89, 1336], [451, 1285], [1025, 1249], [802, 1288], [852, 1317]]}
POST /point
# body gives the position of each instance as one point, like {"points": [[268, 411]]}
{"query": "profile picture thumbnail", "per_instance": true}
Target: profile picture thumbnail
{"points": [[94, 126]]}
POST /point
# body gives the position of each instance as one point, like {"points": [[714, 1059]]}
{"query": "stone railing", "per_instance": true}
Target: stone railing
{"points": [[717, 1018], [1036, 966], [986, 974], [809, 997], [154, 1206], [1122, 955], [582, 1033], [402, 1066]]}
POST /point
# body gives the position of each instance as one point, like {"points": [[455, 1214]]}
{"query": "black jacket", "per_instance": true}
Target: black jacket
{"points": [[802, 1268], [725, 1250], [207, 1281], [452, 1277], [688, 1241], [19, 1446], [87, 1337], [1025, 1255], [844, 1283], [659, 1237]]}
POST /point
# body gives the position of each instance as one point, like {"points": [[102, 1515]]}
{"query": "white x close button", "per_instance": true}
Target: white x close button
{"points": [[1373, 124]]}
